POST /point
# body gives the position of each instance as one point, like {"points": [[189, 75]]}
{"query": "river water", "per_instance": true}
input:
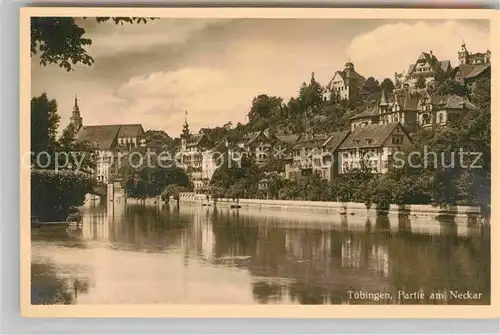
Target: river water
{"points": [[146, 254]]}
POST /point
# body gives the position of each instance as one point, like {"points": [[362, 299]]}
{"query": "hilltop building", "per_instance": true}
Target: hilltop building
{"points": [[345, 84], [413, 112], [422, 72], [478, 58], [390, 109], [442, 111], [472, 68]]}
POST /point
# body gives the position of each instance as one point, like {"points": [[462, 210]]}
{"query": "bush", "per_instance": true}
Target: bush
{"points": [[54, 195]]}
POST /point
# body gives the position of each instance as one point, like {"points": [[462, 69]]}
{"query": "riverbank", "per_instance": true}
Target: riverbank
{"points": [[341, 208]]}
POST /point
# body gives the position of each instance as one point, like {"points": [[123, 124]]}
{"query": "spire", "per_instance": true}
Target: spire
{"points": [[383, 99], [76, 119], [75, 107], [185, 128]]}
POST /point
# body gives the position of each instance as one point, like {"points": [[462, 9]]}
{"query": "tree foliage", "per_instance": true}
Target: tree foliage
{"points": [[146, 174], [238, 179], [61, 41], [387, 85], [44, 123], [54, 193]]}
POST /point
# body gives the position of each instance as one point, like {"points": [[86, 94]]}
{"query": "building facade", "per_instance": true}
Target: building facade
{"points": [[478, 58], [316, 154], [472, 68], [190, 156], [111, 143], [258, 145], [394, 108], [442, 110], [345, 84], [413, 113], [421, 73], [372, 146]]}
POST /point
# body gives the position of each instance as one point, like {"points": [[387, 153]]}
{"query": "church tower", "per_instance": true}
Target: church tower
{"points": [[185, 133], [463, 55], [76, 120]]}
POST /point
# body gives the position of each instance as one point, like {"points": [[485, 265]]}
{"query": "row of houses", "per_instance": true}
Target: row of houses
{"points": [[471, 68], [376, 133], [346, 84]]}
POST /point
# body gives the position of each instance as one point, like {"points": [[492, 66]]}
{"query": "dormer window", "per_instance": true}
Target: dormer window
{"points": [[356, 141], [369, 141]]}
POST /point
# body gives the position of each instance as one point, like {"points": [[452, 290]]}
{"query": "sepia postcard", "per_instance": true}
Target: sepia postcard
{"points": [[258, 162]]}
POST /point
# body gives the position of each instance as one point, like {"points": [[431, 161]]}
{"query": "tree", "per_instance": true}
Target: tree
{"points": [[370, 90], [446, 87], [265, 111], [387, 85], [481, 95], [55, 193], [311, 95], [371, 85], [61, 41], [157, 139], [173, 191], [44, 124], [245, 173]]}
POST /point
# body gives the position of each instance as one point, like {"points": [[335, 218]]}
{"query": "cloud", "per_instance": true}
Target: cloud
{"points": [[110, 40], [392, 47]]}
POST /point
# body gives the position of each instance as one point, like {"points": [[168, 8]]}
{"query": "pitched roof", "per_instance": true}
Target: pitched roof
{"points": [[195, 139], [346, 74], [370, 136], [311, 141], [433, 62], [255, 136], [287, 138], [336, 139], [103, 136], [370, 111], [465, 69], [407, 103], [130, 130], [452, 102], [479, 69]]}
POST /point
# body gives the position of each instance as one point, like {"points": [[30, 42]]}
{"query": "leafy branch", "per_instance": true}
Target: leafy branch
{"points": [[59, 40]]}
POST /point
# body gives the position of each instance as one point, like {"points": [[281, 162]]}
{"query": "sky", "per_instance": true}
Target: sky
{"points": [[213, 68]]}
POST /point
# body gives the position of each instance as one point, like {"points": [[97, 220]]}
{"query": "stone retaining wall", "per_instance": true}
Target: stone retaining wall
{"points": [[331, 206]]}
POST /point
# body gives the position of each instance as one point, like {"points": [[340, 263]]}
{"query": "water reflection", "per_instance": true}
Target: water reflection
{"points": [[149, 254]]}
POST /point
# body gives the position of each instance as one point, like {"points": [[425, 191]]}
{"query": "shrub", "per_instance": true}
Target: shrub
{"points": [[54, 195]]}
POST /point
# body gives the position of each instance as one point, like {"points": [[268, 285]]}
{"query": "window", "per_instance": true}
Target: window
{"points": [[397, 139], [369, 141], [440, 118]]}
